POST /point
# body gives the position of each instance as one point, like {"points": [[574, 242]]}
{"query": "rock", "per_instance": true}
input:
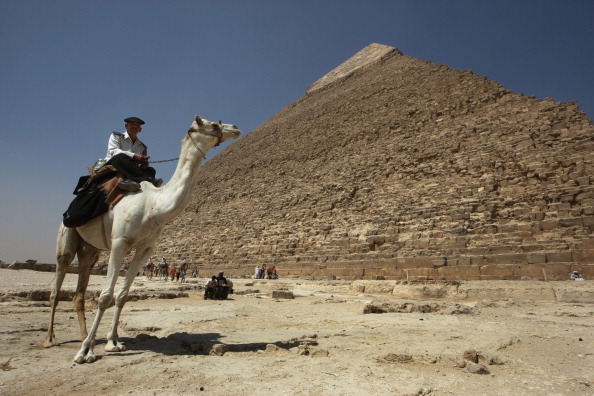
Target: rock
{"points": [[511, 341], [461, 363], [475, 368], [470, 355], [303, 350], [494, 360], [397, 358], [282, 294], [216, 349], [320, 353], [420, 392]]}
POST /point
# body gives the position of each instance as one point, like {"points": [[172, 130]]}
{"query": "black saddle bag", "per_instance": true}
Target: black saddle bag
{"points": [[89, 203]]}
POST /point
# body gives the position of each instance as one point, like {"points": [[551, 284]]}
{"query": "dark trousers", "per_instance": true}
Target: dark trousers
{"points": [[130, 169]]}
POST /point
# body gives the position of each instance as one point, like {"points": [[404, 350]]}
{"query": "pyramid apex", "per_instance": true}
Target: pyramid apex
{"points": [[372, 53]]}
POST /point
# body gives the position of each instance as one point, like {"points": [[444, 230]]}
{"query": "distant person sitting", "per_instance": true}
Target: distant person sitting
{"points": [[576, 276], [211, 288], [129, 156], [223, 287]]}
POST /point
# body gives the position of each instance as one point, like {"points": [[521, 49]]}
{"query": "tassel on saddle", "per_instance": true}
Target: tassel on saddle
{"points": [[113, 194]]}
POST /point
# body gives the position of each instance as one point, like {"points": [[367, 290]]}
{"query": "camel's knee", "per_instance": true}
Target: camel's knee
{"points": [[54, 297], [105, 301], [121, 300], [79, 302], [65, 257]]}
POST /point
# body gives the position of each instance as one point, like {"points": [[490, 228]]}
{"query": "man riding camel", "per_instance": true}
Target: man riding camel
{"points": [[129, 156]]}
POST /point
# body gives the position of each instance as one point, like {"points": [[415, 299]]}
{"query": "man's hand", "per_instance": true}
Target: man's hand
{"points": [[141, 160]]}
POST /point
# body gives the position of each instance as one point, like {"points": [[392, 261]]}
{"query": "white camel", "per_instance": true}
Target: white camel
{"points": [[135, 222]]}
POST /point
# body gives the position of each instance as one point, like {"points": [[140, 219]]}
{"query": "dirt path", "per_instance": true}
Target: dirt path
{"points": [[320, 342]]}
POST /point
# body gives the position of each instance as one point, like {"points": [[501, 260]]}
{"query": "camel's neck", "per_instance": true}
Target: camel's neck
{"points": [[175, 196]]}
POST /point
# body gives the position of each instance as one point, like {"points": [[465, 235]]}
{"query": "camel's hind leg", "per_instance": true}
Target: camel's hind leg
{"points": [[87, 257], [67, 245]]}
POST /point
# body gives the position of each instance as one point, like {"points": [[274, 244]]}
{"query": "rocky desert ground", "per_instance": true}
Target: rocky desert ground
{"points": [[332, 338]]}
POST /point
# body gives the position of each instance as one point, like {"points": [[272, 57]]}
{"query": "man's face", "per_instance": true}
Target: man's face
{"points": [[133, 128]]}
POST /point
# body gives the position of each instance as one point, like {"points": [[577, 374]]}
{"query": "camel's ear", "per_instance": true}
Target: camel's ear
{"points": [[199, 121]]}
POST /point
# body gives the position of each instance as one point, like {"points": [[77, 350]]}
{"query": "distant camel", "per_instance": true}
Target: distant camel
{"points": [[135, 222]]}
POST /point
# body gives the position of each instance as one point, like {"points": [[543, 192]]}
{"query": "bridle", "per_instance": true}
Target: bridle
{"points": [[218, 133]]}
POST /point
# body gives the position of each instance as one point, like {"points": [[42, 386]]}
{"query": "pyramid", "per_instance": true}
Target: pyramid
{"points": [[390, 167]]}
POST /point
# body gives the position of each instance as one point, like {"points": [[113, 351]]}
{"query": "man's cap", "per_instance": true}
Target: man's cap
{"points": [[221, 273], [134, 119]]}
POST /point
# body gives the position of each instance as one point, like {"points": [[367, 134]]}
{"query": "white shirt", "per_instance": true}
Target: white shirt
{"points": [[120, 143]]}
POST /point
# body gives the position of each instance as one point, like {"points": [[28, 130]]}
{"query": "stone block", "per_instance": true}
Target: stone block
{"points": [[559, 257], [583, 256], [530, 272], [459, 272], [423, 273], [571, 222], [497, 272], [557, 272], [502, 249], [377, 287], [286, 294], [536, 258], [415, 262], [426, 290], [502, 290], [518, 258], [548, 225]]}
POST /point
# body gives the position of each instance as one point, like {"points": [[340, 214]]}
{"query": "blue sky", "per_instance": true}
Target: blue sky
{"points": [[71, 71]]}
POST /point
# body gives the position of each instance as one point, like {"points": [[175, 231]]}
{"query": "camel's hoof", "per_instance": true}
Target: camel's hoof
{"points": [[90, 358], [49, 344], [79, 359], [115, 348]]}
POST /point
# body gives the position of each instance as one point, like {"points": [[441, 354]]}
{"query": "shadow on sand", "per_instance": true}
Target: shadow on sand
{"points": [[203, 344]]}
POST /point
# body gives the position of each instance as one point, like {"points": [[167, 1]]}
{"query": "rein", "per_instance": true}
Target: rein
{"points": [[195, 145], [218, 134]]}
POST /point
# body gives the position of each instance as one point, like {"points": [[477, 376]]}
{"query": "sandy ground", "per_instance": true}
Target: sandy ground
{"points": [[319, 343]]}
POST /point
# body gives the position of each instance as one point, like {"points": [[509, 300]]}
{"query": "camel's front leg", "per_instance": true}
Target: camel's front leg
{"points": [[86, 353], [113, 343]]}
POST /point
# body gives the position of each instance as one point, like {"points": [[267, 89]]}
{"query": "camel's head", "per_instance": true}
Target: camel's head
{"points": [[215, 130]]}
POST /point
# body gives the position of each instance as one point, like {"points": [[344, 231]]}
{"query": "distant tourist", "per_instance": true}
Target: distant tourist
{"points": [[576, 276], [210, 288]]}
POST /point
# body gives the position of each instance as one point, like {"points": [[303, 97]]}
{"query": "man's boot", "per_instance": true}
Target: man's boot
{"points": [[129, 185]]}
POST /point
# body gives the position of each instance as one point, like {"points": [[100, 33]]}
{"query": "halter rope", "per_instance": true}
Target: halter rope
{"points": [[218, 134]]}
